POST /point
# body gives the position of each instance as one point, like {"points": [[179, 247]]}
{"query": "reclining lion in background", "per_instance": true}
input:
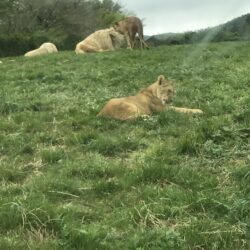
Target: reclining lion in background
{"points": [[153, 99], [101, 40], [45, 48], [129, 27]]}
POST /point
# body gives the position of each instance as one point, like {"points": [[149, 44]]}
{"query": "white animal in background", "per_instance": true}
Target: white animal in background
{"points": [[45, 48], [101, 40]]}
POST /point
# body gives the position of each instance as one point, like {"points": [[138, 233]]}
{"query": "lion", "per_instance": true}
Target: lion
{"points": [[45, 48], [129, 27], [153, 99], [101, 40]]}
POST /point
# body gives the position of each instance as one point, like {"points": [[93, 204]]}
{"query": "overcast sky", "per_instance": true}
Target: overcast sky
{"points": [[163, 16]]}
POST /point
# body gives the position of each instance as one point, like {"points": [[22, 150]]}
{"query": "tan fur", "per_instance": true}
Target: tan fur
{"points": [[153, 99], [129, 27], [101, 40], [45, 48]]}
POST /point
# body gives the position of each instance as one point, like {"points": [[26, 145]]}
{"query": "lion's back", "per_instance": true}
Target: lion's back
{"points": [[50, 47], [45, 48], [125, 108]]}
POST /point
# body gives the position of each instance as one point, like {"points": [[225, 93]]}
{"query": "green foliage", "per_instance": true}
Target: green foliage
{"points": [[71, 180], [52, 156]]}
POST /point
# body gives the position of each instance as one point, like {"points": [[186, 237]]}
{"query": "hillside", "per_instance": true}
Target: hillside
{"points": [[70, 180], [237, 29]]}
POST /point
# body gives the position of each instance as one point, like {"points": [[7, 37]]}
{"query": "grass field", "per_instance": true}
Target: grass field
{"points": [[70, 180]]}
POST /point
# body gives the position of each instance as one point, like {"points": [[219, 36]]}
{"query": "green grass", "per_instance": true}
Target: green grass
{"points": [[70, 180]]}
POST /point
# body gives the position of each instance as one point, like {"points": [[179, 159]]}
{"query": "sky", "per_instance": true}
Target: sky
{"points": [[164, 16]]}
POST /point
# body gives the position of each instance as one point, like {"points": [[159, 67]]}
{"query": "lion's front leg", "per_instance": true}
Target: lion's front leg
{"points": [[186, 110], [128, 41]]}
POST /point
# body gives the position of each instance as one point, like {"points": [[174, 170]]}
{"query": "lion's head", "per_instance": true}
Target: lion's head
{"points": [[164, 90], [118, 27], [117, 38]]}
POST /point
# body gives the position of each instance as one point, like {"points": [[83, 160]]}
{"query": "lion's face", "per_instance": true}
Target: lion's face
{"points": [[164, 90], [119, 27]]}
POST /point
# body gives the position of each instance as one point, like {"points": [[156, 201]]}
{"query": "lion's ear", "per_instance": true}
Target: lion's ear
{"points": [[161, 79]]}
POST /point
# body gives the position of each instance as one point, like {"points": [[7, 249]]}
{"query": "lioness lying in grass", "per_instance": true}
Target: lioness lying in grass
{"points": [[101, 40], [45, 48], [153, 99]]}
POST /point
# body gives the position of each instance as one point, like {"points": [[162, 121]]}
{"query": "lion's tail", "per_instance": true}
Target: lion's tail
{"points": [[79, 49], [100, 114]]}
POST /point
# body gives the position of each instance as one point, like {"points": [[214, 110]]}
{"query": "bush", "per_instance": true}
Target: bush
{"points": [[19, 43], [15, 44]]}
